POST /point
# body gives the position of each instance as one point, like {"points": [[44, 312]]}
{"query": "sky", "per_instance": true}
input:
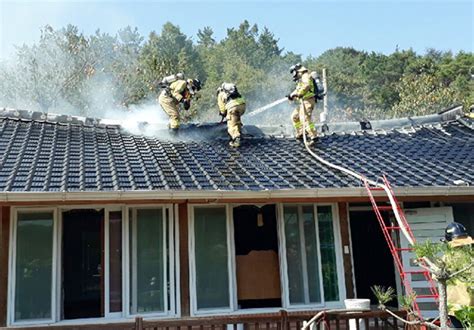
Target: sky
{"points": [[303, 27]]}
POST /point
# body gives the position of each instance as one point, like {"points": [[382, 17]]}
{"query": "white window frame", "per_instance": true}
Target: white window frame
{"points": [[338, 249], [12, 266], [233, 309], [286, 296], [230, 262], [170, 264], [56, 288]]}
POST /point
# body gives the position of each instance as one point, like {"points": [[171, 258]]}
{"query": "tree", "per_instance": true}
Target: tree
{"points": [[422, 94], [67, 71], [167, 53], [446, 265]]}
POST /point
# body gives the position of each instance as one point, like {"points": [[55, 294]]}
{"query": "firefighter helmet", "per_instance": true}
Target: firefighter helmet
{"points": [[294, 69], [455, 230], [194, 85]]}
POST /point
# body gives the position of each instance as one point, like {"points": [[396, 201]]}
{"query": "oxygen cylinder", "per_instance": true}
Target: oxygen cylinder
{"points": [[172, 78]]}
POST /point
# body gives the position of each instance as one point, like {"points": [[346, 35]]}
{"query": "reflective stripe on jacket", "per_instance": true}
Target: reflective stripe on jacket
{"points": [[225, 105], [305, 88]]}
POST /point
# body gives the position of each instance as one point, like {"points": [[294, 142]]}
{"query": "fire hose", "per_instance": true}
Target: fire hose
{"points": [[360, 177]]}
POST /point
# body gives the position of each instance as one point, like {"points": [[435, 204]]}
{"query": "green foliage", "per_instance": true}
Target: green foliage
{"points": [[67, 71], [466, 316], [449, 260], [383, 295], [406, 302]]}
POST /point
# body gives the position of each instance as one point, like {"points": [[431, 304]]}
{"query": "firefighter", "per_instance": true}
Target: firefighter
{"points": [[305, 92], [459, 293], [178, 92], [232, 107]]}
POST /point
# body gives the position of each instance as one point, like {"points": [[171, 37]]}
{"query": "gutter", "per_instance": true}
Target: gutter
{"points": [[6, 197]]}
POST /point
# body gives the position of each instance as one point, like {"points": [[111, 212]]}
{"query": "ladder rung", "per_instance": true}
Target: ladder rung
{"points": [[416, 272], [385, 208], [427, 296], [393, 228], [376, 188], [404, 249]]}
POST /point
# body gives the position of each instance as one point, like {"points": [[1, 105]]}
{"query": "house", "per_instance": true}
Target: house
{"points": [[99, 225]]}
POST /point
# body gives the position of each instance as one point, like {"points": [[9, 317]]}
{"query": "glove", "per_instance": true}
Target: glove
{"points": [[291, 97], [186, 104]]}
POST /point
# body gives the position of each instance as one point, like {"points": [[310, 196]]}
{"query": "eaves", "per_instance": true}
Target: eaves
{"points": [[170, 195]]}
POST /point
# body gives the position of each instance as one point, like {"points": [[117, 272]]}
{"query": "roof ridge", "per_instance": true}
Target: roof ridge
{"points": [[383, 126]]}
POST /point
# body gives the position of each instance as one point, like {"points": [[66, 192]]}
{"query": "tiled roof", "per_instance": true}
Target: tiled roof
{"points": [[38, 155]]}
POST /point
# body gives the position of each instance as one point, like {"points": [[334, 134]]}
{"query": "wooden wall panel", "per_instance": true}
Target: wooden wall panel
{"points": [[184, 259], [345, 241]]}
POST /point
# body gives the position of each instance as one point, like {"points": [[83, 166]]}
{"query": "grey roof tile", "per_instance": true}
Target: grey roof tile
{"points": [[46, 156]]}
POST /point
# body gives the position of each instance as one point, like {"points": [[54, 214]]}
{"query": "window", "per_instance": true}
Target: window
{"points": [[115, 261], [34, 266], [211, 255], [328, 253], [308, 257], [304, 283], [310, 254], [151, 283]]}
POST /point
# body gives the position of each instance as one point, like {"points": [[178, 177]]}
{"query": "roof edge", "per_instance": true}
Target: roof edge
{"points": [[6, 197]]}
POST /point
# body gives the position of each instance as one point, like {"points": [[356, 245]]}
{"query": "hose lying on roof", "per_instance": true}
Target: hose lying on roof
{"points": [[393, 203]]}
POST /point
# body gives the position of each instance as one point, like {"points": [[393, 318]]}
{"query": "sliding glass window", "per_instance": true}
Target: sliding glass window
{"points": [[148, 283], [302, 255], [34, 266], [211, 258], [328, 253]]}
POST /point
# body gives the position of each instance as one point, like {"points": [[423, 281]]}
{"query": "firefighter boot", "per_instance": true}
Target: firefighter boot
{"points": [[312, 141], [235, 143]]}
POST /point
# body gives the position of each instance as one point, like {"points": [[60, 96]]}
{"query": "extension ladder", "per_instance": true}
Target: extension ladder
{"points": [[395, 249], [402, 227]]}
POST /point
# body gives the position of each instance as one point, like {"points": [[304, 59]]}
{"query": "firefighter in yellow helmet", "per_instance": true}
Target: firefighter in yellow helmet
{"points": [[178, 91], [232, 106], [305, 92]]}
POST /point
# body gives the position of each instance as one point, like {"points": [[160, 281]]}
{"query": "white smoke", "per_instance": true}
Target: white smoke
{"points": [[147, 119]]}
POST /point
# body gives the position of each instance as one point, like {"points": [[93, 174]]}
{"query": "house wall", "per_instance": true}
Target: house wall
{"points": [[4, 243], [181, 210]]}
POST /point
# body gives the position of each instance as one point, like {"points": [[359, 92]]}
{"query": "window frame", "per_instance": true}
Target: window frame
{"points": [[232, 277], [286, 295], [172, 269], [233, 306], [12, 266]]}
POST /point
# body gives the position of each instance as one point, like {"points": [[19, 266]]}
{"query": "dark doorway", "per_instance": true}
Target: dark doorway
{"points": [[373, 263], [256, 249], [82, 264]]}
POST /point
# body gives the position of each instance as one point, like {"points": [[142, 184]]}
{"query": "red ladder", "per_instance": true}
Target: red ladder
{"points": [[395, 250]]}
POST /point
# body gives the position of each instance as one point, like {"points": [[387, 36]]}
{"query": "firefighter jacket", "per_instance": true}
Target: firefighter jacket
{"points": [[226, 104], [178, 90], [305, 88]]}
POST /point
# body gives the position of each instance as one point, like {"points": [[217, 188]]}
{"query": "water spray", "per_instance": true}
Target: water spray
{"points": [[266, 107]]}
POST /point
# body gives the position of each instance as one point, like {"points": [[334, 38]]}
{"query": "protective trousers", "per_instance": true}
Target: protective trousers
{"points": [[171, 107], [234, 124], [305, 109]]}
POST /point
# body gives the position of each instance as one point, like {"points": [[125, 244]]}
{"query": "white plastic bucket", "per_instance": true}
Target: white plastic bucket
{"points": [[362, 304]]}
